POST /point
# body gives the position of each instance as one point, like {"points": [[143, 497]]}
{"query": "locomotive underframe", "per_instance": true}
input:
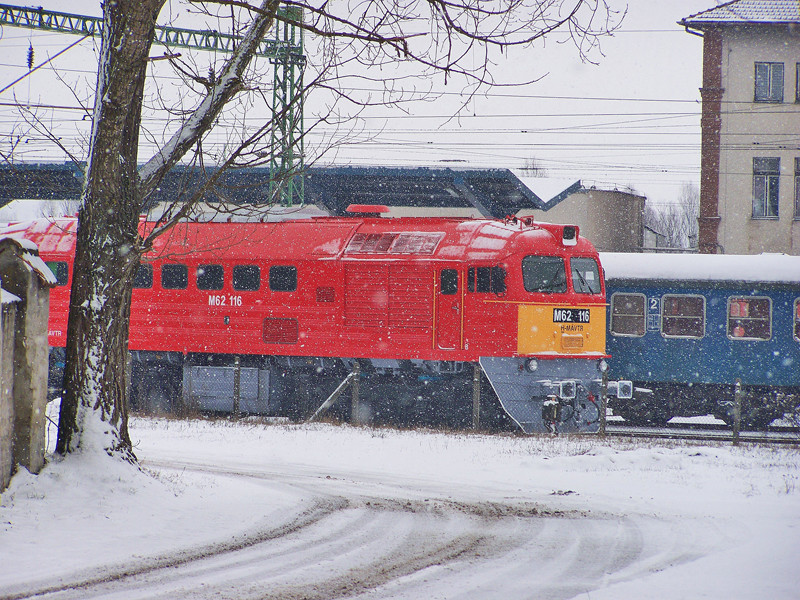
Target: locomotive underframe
{"points": [[561, 395], [655, 404]]}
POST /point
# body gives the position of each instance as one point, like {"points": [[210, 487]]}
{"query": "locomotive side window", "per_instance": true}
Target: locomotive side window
{"points": [[144, 276], [449, 282], [683, 316], [486, 280], [246, 278], [628, 315], [544, 274], [60, 270], [174, 277], [585, 275], [749, 318], [282, 278], [210, 277]]}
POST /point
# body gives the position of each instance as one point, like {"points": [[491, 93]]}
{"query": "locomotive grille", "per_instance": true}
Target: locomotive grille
{"points": [[387, 295]]}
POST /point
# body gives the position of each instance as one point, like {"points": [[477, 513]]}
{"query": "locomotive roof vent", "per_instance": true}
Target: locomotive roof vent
{"points": [[368, 210]]}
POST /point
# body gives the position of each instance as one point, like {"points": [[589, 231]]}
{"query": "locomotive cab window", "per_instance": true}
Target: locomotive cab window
{"points": [[246, 278], [174, 277], [485, 280], [282, 278], [749, 318], [210, 277], [585, 275], [628, 316], [60, 270], [683, 316], [144, 276], [545, 274]]}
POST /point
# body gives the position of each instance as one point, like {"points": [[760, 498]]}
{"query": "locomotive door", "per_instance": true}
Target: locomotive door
{"points": [[449, 307]]}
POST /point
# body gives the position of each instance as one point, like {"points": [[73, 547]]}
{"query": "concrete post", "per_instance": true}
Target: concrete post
{"points": [[354, 407], [476, 396], [737, 411]]}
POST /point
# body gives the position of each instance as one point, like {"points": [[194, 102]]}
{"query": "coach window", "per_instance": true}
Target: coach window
{"points": [[449, 282], [246, 278], [749, 318], [797, 319], [628, 315], [60, 270], [144, 276], [544, 274], [174, 277], [683, 316], [282, 278], [486, 280], [585, 275]]}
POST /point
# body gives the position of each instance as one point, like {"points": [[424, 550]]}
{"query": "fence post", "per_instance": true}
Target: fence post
{"points": [[476, 396], [603, 400], [237, 378], [737, 411], [354, 407]]}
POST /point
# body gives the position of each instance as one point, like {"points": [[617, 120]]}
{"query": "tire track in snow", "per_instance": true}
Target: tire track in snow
{"points": [[350, 542]]}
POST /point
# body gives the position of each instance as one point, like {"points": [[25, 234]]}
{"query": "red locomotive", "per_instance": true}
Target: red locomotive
{"points": [[283, 311]]}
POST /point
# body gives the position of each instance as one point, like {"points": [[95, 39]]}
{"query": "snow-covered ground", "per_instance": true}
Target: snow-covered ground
{"points": [[254, 510]]}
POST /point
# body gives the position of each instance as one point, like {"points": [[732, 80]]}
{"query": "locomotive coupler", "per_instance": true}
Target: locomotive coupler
{"points": [[551, 413]]}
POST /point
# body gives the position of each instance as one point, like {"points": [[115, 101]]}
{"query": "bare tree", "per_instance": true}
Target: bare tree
{"points": [[391, 46], [677, 221]]}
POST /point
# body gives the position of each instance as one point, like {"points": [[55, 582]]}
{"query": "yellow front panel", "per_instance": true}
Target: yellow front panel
{"points": [[561, 329]]}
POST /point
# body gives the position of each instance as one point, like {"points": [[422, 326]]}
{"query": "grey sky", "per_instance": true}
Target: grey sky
{"points": [[630, 120]]}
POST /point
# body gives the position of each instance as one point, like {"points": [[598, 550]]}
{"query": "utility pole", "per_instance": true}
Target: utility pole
{"points": [[284, 51]]}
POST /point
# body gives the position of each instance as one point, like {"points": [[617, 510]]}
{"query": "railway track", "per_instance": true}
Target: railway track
{"points": [[707, 432]]}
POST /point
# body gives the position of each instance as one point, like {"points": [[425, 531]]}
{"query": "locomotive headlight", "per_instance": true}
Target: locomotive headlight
{"points": [[569, 235], [532, 365], [602, 366]]}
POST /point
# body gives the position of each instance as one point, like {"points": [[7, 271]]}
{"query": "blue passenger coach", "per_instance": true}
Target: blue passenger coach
{"points": [[685, 327]]}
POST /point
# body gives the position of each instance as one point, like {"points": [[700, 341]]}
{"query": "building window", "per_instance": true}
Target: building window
{"points": [[683, 316], [766, 175], [210, 277], [174, 277], [797, 188], [769, 82], [749, 318], [797, 83], [627, 314], [282, 278]]}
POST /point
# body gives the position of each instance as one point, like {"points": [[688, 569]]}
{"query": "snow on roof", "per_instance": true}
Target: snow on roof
{"points": [[748, 11], [769, 268], [29, 254], [549, 190], [7, 297]]}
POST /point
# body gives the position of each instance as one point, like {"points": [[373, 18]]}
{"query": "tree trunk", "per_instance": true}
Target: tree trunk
{"points": [[94, 407]]}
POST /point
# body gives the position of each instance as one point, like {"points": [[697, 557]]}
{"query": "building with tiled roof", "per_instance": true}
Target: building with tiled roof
{"points": [[750, 160]]}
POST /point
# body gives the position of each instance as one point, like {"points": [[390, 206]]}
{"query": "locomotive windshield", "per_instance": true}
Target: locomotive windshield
{"points": [[585, 275], [544, 274]]}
